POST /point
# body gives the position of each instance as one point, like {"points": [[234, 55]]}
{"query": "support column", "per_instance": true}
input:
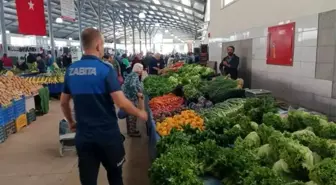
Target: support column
{"points": [[125, 39], [133, 39], [114, 31], [150, 42], [99, 16], [79, 9], [140, 40], [146, 41], [51, 32], [3, 27]]}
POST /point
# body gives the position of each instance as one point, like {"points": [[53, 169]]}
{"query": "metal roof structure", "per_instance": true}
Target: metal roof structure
{"points": [[181, 17]]}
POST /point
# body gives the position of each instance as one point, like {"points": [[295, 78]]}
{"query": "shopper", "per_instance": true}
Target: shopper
{"points": [[156, 65], [131, 87], [7, 62], [117, 68], [146, 60], [67, 60], [171, 60], [126, 65], [21, 64], [31, 58], [94, 87], [106, 59], [50, 59], [230, 63], [136, 60], [40, 64]]}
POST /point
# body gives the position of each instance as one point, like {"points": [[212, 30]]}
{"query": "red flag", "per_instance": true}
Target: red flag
{"points": [[31, 17]]}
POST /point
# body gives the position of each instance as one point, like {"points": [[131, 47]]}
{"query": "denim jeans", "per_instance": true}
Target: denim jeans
{"points": [[91, 154]]}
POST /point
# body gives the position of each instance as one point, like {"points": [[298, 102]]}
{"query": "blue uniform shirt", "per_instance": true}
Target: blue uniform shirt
{"points": [[90, 81]]}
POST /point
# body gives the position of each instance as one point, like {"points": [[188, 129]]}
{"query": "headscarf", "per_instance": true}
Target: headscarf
{"points": [[137, 67]]}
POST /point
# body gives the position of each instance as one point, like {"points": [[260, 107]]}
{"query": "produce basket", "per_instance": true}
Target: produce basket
{"points": [[21, 122], [6, 114], [3, 135], [19, 107], [31, 116], [10, 129]]}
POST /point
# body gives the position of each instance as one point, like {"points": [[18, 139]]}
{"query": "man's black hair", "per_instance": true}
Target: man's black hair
{"points": [[233, 48], [106, 56]]}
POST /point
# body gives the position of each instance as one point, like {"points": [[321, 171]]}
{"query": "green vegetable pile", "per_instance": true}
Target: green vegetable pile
{"points": [[158, 85], [247, 143], [219, 89]]}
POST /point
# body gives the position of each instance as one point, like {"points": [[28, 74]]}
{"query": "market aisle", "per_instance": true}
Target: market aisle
{"points": [[31, 157]]}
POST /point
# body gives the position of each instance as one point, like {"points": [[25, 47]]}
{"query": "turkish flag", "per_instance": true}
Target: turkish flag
{"points": [[31, 17]]}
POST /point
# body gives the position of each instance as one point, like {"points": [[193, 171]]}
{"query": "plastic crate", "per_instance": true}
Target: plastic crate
{"points": [[251, 93], [31, 116], [3, 135], [19, 107], [21, 122], [10, 128], [7, 114]]}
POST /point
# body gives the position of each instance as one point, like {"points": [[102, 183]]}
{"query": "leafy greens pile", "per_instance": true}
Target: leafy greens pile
{"points": [[247, 143], [158, 86]]}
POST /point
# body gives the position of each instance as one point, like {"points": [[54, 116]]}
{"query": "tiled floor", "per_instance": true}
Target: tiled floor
{"points": [[31, 156]]}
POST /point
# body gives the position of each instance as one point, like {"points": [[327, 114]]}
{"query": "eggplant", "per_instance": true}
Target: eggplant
{"points": [[208, 104]]}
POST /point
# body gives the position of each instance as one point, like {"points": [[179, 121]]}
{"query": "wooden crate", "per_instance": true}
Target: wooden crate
{"points": [[21, 122]]}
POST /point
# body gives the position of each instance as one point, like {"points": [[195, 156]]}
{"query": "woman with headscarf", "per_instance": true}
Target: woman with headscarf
{"points": [[132, 87]]}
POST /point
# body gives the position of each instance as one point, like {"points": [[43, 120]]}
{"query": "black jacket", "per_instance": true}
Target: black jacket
{"points": [[41, 66], [234, 62]]}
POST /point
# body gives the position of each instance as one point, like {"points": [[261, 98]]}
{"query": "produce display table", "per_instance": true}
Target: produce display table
{"points": [[151, 132], [29, 74], [55, 88], [153, 139]]}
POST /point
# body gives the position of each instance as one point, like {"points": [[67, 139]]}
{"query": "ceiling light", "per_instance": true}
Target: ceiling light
{"points": [[44, 36], [157, 24], [70, 38], [175, 37], [131, 37], [59, 20], [95, 27], [142, 15], [7, 31], [157, 2], [166, 31], [186, 2], [172, 35]]}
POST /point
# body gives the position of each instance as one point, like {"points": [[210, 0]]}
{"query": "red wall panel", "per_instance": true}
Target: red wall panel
{"points": [[280, 44]]}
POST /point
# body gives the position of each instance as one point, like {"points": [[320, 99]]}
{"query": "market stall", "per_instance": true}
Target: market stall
{"points": [[207, 130], [53, 80], [17, 106]]}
